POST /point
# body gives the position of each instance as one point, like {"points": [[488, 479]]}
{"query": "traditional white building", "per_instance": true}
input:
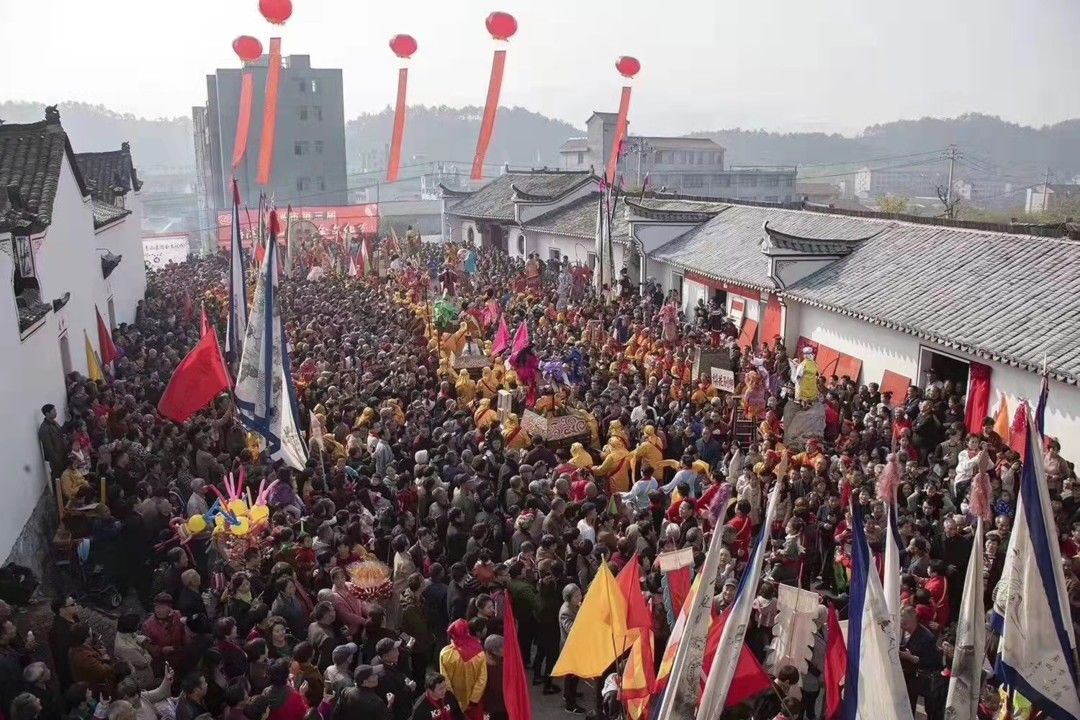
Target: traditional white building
{"points": [[891, 301], [880, 299], [69, 245]]}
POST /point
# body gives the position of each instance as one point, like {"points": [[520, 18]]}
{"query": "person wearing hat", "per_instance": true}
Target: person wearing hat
{"points": [[393, 679], [365, 700], [465, 667], [339, 675], [165, 629]]}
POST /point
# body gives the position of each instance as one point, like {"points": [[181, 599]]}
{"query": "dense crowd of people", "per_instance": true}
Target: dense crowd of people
{"points": [[420, 466]]}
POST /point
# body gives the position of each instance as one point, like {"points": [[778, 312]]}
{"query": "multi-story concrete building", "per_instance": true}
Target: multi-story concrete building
{"points": [[680, 164], [308, 166]]}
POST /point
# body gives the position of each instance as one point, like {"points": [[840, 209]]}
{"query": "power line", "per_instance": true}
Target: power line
{"points": [[874, 169], [869, 160]]}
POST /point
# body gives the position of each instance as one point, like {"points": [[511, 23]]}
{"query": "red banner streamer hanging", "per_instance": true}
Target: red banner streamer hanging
{"points": [[243, 121], [487, 125], [620, 135], [399, 127], [273, 78]]}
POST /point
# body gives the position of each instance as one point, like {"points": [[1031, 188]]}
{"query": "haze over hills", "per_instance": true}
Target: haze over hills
{"points": [[990, 145]]}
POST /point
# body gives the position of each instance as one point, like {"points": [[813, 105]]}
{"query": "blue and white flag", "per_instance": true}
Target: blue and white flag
{"points": [[892, 567], [237, 321], [730, 647], [965, 682], [1037, 652], [265, 395], [875, 688]]}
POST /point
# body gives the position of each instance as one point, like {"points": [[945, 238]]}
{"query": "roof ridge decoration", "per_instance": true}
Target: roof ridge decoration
{"points": [[448, 192], [778, 242], [680, 216], [519, 195]]}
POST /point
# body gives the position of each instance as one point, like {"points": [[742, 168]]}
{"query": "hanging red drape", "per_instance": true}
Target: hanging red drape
{"points": [[399, 127], [978, 400], [487, 125], [273, 78], [243, 121], [620, 135]]}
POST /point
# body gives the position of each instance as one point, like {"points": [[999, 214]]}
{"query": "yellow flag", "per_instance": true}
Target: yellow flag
{"points": [[93, 367], [1001, 423], [598, 635]]}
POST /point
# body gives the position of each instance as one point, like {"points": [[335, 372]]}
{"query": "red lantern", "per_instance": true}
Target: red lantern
{"points": [[247, 48], [628, 66], [502, 26], [276, 11], [403, 46]]}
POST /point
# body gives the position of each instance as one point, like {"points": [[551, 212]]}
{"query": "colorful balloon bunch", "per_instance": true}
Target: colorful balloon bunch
{"points": [[231, 513]]}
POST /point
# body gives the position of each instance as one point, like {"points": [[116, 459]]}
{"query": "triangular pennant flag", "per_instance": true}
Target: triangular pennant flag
{"points": [[599, 631], [750, 678], [515, 682], [835, 667], [1001, 422], [108, 349], [198, 379], [521, 341], [93, 366], [502, 338]]}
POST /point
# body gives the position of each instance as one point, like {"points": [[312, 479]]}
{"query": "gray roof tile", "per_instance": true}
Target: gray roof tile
{"points": [[494, 201], [578, 219]]}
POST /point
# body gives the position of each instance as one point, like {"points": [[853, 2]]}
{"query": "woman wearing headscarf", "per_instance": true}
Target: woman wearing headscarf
{"points": [[464, 665]]}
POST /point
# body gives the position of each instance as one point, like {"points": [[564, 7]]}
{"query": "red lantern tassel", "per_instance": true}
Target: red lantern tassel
{"points": [[273, 77], [620, 135], [487, 125], [399, 127], [243, 122]]}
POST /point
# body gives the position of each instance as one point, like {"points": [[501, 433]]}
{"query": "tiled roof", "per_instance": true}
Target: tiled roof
{"points": [[578, 220], [726, 248], [109, 173], [1006, 297], [105, 213], [575, 144], [30, 159], [494, 201], [1003, 296]]}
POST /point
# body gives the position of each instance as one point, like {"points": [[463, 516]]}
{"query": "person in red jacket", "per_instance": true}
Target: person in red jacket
{"points": [[165, 629], [285, 703]]}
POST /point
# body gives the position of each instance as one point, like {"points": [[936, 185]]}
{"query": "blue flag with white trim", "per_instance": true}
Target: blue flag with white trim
{"points": [[1037, 652]]}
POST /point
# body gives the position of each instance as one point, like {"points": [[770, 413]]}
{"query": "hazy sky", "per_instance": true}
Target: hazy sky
{"points": [[706, 64]]}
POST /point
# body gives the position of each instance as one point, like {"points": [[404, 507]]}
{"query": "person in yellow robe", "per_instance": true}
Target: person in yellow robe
{"points": [[616, 465], [465, 387], [579, 456], [514, 436], [487, 386], [616, 429], [455, 343], [498, 371], [806, 378], [484, 416], [464, 665]]}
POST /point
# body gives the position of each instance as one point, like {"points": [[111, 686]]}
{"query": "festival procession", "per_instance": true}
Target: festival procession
{"points": [[369, 476]]}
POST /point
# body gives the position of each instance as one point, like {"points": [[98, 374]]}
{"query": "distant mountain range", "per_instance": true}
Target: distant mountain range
{"points": [[989, 146]]}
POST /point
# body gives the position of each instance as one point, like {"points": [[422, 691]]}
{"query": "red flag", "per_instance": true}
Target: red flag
{"points": [[515, 683], [679, 582], [207, 328], [639, 672], [502, 338], [750, 678], [521, 341], [197, 380], [835, 667], [108, 349]]}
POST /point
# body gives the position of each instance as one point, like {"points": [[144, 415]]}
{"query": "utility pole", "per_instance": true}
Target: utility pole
{"points": [[1046, 189], [951, 153]]}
